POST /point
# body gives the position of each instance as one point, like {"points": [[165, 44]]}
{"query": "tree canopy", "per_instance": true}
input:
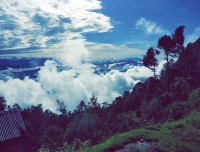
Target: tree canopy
{"points": [[150, 61]]}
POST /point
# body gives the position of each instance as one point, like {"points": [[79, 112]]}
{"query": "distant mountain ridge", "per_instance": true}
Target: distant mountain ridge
{"points": [[121, 65], [21, 63], [22, 67]]}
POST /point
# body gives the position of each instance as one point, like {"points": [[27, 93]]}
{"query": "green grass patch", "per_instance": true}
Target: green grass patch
{"points": [[179, 135]]}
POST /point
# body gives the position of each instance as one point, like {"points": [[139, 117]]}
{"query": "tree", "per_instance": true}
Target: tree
{"points": [[2, 104], [61, 107], [105, 105], [167, 44], [150, 60], [16, 106], [81, 107], [53, 137], [93, 102], [151, 110], [178, 38]]}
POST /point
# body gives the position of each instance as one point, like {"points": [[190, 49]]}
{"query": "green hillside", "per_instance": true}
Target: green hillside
{"points": [[181, 135]]}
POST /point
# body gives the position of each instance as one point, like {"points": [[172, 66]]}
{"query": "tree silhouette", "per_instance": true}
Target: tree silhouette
{"points": [[172, 46], [2, 104], [167, 44], [62, 108], [178, 38], [150, 61], [82, 106], [93, 102]]}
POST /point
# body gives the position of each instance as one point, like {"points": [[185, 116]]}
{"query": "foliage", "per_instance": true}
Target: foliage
{"points": [[178, 38], [194, 99], [150, 60], [167, 44], [2, 104], [179, 109], [180, 89], [170, 136], [81, 107], [76, 146], [52, 137], [152, 111], [83, 127], [61, 107], [93, 102], [172, 46], [189, 63]]}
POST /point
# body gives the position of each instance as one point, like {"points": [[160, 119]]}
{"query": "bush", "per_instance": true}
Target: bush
{"points": [[180, 89], [152, 111], [179, 109], [194, 99]]}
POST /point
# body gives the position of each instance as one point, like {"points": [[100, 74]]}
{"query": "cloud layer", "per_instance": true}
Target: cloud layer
{"points": [[111, 51], [44, 24], [71, 86]]}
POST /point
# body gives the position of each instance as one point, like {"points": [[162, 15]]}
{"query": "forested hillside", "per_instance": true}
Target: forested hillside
{"points": [[170, 96]]}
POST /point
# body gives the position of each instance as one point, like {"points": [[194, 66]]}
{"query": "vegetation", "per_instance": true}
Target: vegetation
{"points": [[164, 109], [2, 103], [150, 60], [179, 135]]}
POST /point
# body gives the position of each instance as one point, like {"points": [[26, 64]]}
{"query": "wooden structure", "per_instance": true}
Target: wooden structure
{"points": [[12, 131]]}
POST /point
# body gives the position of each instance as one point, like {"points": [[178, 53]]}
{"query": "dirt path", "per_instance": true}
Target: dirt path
{"points": [[139, 146]]}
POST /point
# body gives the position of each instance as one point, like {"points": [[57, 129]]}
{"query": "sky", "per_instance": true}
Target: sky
{"points": [[103, 29], [76, 32]]}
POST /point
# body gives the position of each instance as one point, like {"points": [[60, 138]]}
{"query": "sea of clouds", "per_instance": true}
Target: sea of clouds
{"points": [[70, 86]]}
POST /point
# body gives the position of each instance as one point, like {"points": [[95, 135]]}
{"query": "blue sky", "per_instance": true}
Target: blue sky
{"points": [[91, 28], [167, 15]]}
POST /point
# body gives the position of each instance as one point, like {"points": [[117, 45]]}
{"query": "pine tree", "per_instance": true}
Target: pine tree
{"points": [[178, 38], [167, 44], [150, 61]]}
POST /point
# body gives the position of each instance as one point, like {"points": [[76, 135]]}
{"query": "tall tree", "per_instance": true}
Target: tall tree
{"points": [[150, 61], [178, 38], [167, 44]]}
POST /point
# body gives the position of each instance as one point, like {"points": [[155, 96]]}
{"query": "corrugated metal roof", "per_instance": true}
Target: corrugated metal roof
{"points": [[11, 124]]}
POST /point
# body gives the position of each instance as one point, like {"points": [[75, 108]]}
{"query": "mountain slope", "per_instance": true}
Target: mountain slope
{"points": [[181, 135]]}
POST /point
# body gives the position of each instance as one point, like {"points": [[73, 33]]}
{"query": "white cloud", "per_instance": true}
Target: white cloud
{"points": [[45, 23], [150, 27], [71, 86], [56, 27], [25, 92], [97, 51], [80, 84], [194, 36]]}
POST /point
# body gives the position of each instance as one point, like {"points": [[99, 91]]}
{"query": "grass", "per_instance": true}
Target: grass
{"points": [[181, 135]]}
